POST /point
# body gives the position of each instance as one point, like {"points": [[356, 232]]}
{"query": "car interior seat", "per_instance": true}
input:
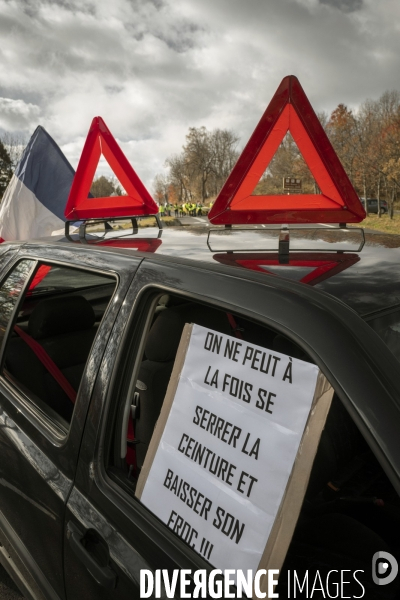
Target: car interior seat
{"points": [[65, 328], [160, 352]]}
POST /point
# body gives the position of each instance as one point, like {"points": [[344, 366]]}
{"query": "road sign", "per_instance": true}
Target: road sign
{"points": [[292, 184], [289, 110]]}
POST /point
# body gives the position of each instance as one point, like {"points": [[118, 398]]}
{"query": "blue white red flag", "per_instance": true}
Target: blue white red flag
{"points": [[34, 201]]}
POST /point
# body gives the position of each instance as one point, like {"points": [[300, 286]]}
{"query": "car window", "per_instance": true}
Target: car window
{"points": [[166, 317], [348, 496], [48, 345], [60, 279]]}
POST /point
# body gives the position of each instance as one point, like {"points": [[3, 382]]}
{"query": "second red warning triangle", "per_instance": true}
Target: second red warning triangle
{"points": [[289, 110]]}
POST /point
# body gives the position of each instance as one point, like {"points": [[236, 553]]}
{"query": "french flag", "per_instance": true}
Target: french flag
{"points": [[34, 201]]}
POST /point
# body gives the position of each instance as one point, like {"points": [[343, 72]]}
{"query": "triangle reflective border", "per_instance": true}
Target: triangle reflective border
{"points": [[138, 201], [289, 110]]}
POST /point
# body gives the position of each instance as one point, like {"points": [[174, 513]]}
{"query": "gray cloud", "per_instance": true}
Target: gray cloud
{"points": [[17, 115], [345, 5], [153, 68]]}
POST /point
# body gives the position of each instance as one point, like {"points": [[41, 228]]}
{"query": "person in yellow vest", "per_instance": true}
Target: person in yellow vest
{"points": [[162, 210]]}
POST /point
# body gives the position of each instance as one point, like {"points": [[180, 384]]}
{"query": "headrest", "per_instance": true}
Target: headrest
{"points": [[212, 318], [55, 316], [164, 336], [165, 333]]}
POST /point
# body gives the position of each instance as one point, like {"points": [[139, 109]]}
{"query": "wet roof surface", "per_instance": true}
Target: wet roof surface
{"points": [[368, 281]]}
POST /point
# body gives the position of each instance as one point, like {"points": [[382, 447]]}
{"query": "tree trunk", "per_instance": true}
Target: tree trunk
{"points": [[203, 187], [365, 193], [379, 196], [391, 210]]}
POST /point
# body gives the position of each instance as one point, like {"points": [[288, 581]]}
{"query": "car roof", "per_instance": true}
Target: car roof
{"points": [[367, 281]]}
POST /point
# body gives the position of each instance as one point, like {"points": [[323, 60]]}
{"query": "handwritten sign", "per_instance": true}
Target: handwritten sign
{"points": [[225, 444]]}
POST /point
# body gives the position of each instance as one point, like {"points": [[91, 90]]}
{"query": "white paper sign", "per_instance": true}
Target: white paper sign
{"points": [[228, 446]]}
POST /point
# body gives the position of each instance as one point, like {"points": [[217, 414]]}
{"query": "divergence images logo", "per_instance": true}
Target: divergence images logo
{"points": [[384, 568]]}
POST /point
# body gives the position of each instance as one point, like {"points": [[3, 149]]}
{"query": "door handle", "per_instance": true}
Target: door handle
{"points": [[103, 574]]}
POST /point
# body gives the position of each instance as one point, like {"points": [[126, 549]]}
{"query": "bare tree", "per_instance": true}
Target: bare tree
{"points": [[200, 158], [161, 188], [180, 178], [6, 169], [203, 166], [223, 144], [15, 144]]}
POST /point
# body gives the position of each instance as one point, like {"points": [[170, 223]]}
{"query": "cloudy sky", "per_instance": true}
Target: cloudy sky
{"points": [[154, 68]]}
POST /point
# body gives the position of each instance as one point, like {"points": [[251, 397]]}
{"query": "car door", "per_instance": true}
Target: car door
{"points": [[39, 449], [110, 536]]}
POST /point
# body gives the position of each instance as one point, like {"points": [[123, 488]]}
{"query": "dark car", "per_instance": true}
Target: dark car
{"points": [[109, 314], [372, 205]]}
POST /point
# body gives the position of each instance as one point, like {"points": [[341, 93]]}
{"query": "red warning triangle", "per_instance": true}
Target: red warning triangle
{"points": [[138, 202], [289, 110]]}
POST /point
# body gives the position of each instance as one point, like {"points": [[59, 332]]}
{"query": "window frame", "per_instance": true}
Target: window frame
{"points": [[129, 358]]}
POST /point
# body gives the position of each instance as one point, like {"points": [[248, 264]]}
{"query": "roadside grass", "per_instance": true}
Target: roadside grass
{"points": [[383, 223], [170, 221], [150, 222]]}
